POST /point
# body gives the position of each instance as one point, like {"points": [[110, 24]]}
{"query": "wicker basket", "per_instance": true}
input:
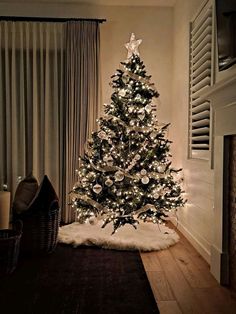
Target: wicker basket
{"points": [[9, 248], [40, 231]]}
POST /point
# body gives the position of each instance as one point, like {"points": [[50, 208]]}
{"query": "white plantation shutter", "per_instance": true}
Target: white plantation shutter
{"points": [[201, 66]]}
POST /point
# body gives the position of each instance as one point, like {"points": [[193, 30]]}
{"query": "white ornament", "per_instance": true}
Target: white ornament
{"points": [[109, 182], [102, 135], [141, 116], [148, 108], [118, 193], [160, 168], [143, 172], [119, 176], [137, 157], [132, 46], [122, 92], [145, 180], [132, 122], [130, 109], [97, 188], [156, 195]]}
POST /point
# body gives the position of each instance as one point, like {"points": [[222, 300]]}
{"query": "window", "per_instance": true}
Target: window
{"points": [[201, 67]]}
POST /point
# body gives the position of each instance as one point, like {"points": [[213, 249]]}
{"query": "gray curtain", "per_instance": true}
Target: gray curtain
{"points": [[49, 83], [82, 98]]}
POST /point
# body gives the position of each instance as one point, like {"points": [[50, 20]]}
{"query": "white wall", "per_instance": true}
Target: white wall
{"points": [[196, 219], [152, 24]]}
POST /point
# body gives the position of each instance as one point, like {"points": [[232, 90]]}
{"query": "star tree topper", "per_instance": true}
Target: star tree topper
{"points": [[132, 46]]}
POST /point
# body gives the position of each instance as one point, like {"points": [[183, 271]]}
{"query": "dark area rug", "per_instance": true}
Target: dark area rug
{"points": [[84, 280]]}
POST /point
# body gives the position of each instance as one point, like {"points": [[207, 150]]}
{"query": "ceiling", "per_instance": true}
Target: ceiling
{"points": [[164, 3]]}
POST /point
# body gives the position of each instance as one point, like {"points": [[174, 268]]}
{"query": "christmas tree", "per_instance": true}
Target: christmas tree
{"points": [[125, 174]]}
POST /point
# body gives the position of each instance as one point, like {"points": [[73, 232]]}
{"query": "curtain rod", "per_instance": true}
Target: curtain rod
{"points": [[47, 19]]}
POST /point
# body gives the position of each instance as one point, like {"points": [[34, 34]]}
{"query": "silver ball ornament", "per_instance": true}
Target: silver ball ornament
{"points": [[145, 180], [156, 195], [137, 157], [160, 168], [143, 172]]}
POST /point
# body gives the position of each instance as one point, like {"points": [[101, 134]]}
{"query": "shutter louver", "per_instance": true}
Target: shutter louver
{"points": [[200, 79]]}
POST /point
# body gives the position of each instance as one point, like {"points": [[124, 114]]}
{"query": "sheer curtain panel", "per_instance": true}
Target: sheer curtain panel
{"points": [[31, 100], [49, 86], [82, 97]]}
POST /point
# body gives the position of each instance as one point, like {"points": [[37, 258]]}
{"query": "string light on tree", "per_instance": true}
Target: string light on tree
{"points": [[125, 174]]}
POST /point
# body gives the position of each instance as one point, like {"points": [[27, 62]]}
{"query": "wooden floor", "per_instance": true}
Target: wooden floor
{"points": [[182, 283]]}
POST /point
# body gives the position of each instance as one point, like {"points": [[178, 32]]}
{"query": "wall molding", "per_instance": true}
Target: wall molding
{"points": [[201, 249]]}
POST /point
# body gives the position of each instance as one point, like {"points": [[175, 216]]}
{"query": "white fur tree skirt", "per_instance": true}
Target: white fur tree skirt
{"points": [[147, 236]]}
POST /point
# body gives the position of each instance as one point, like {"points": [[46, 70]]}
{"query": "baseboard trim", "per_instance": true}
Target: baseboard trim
{"points": [[195, 243], [220, 265]]}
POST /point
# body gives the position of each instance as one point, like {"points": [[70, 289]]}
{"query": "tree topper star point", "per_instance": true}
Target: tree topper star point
{"points": [[132, 46]]}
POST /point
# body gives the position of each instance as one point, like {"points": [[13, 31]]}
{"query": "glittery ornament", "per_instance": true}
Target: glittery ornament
{"points": [[145, 180], [109, 182], [122, 92], [148, 108], [83, 171], [97, 188], [137, 157], [143, 172], [118, 193], [130, 109], [132, 122], [141, 116], [160, 168], [156, 195], [119, 176], [102, 135]]}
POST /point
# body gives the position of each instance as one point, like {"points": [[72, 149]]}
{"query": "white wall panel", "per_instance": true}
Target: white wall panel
{"points": [[196, 218]]}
